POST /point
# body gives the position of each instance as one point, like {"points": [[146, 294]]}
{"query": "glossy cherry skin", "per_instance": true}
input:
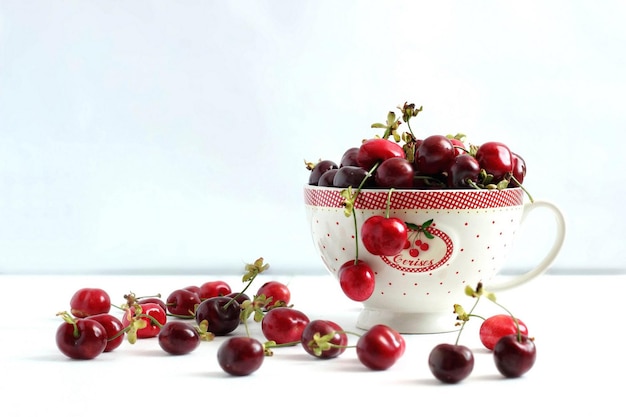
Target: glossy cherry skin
{"points": [[284, 324], [276, 293], [113, 328], [373, 151], [215, 288], [495, 158], [89, 301], [514, 357], [182, 302], [380, 347], [357, 280], [193, 288], [349, 157], [240, 355], [222, 314], [319, 169], [464, 168], [394, 173], [434, 155], [153, 300], [178, 338], [451, 363], [384, 235], [327, 178], [85, 341], [351, 176], [152, 329], [497, 326], [324, 328], [519, 170]]}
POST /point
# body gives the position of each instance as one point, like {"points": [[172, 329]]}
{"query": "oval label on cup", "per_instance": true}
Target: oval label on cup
{"points": [[427, 249]]}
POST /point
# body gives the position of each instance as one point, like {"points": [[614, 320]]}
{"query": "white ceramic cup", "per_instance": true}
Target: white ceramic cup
{"points": [[469, 239]]}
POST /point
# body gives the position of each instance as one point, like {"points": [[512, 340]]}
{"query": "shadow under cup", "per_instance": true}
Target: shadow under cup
{"points": [[457, 238]]}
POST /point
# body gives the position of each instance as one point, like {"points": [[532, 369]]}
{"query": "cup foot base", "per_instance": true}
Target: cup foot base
{"points": [[407, 322]]}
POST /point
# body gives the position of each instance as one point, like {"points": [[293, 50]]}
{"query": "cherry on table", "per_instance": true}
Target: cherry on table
{"points": [[276, 293], [514, 355], [89, 301], [284, 325], [451, 363], [113, 328], [182, 302], [324, 339], [152, 314], [240, 355], [178, 338], [221, 313], [215, 288], [380, 347], [495, 327], [80, 338]]}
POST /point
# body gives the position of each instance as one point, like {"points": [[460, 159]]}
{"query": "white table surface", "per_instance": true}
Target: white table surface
{"points": [[577, 322]]}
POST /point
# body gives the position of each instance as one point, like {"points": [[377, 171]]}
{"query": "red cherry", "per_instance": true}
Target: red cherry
{"points": [[459, 146], [153, 300], [349, 157], [519, 170], [319, 169], [463, 171], [434, 155], [212, 289], [221, 313], [384, 235], [89, 301], [414, 253], [424, 246], [182, 302], [178, 338], [240, 355], [495, 158], [81, 338], [151, 309], [284, 324], [394, 173], [334, 343], [451, 363], [356, 280], [514, 357], [276, 292], [373, 151], [193, 288], [112, 326], [495, 327], [380, 347]]}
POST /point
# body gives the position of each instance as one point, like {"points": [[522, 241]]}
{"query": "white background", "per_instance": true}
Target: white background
{"points": [[146, 136]]}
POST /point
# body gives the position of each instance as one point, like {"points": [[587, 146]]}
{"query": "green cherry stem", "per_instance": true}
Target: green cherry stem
{"points": [[352, 203], [465, 320]]}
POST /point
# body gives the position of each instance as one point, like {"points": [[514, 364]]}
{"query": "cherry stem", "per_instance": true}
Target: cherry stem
{"points": [[519, 184], [356, 193], [458, 336], [517, 326], [388, 203]]}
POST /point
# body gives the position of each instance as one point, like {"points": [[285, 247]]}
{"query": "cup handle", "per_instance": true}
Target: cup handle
{"points": [[547, 260]]}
